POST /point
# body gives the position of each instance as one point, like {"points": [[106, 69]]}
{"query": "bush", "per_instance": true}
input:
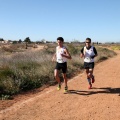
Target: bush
{"points": [[30, 70], [73, 50]]}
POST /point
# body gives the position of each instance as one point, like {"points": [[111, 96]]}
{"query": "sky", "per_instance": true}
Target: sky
{"points": [[70, 19]]}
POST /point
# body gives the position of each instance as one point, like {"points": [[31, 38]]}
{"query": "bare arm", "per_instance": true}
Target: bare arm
{"points": [[54, 57], [67, 54], [81, 55]]}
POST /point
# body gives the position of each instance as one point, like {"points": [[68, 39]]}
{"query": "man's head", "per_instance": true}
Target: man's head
{"points": [[60, 41], [88, 42]]}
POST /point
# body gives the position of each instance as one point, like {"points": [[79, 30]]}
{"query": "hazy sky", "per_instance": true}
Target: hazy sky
{"points": [[71, 19]]}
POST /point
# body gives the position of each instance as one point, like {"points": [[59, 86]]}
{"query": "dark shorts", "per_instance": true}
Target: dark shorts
{"points": [[88, 65], [62, 66]]}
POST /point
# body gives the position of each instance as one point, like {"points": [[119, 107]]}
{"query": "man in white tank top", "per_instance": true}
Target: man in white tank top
{"points": [[89, 53], [61, 57]]}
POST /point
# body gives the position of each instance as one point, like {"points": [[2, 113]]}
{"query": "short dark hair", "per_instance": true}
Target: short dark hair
{"points": [[89, 39], [60, 38]]}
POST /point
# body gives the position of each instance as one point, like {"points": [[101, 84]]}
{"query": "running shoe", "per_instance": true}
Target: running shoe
{"points": [[90, 86], [66, 89], [59, 87], [93, 79]]}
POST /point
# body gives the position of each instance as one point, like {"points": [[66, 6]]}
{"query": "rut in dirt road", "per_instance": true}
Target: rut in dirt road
{"points": [[100, 103]]}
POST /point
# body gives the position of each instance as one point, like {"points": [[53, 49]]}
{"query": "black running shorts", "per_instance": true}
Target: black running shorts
{"points": [[88, 65], [62, 66]]}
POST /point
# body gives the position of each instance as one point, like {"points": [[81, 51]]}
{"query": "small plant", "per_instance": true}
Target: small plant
{"points": [[30, 70], [5, 97], [73, 50]]}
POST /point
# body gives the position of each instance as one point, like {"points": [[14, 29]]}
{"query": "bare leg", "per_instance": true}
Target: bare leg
{"points": [[56, 74], [90, 73], [88, 78], [65, 79], [87, 72]]}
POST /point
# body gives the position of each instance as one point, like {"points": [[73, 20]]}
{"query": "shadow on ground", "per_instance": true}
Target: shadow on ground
{"points": [[107, 90]]}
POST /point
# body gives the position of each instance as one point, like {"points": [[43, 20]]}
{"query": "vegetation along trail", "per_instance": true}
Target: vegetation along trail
{"points": [[100, 103]]}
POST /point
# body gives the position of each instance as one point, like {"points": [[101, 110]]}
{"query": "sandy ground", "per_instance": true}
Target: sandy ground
{"points": [[39, 47], [102, 102]]}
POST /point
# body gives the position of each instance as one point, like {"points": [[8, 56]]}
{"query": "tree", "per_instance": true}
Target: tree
{"points": [[1, 39], [15, 42], [27, 39], [19, 41]]}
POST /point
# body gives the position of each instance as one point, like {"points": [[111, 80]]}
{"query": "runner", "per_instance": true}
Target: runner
{"points": [[61, 57], [89, 53]]}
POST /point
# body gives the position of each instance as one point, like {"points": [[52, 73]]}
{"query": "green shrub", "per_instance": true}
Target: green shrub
{"points": [[73, 50], [30, 70]]}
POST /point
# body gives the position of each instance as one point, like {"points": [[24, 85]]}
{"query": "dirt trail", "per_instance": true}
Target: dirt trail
{"points": [[100, 103]]}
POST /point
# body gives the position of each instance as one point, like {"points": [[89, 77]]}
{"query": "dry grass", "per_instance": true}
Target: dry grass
{"points": [[23, 71]]}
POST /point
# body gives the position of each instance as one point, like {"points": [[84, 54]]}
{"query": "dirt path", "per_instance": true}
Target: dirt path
{"points": [[100, 103]]}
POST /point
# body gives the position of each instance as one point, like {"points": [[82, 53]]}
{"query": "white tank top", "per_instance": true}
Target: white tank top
{"points": [[60, 51], [87, 54]]}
